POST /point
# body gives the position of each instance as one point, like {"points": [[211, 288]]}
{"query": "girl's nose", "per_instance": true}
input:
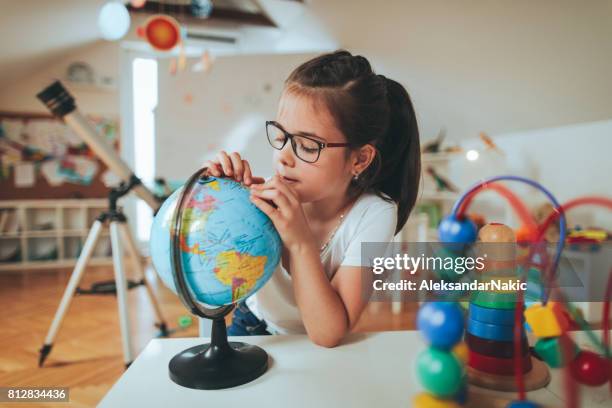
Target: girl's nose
{"points": [[286, 155]]}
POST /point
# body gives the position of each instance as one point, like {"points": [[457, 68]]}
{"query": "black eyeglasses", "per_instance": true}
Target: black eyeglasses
{"points": [[304, 147]]}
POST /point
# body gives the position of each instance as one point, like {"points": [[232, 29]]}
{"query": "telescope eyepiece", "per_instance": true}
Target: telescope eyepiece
{"points": [[57, 99]]}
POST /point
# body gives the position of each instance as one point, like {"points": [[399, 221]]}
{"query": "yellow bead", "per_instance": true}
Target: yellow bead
{"points": [[425, 400], [461, 352], [546, 321]]}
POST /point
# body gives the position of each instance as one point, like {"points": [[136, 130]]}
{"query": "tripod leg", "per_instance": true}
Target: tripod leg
{"points": [[75, 278], [135, 255], [121, 286]]}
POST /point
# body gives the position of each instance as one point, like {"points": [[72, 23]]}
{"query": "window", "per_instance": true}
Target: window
{"points": [[144, 91]]}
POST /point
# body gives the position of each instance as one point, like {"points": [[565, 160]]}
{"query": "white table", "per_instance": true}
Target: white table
{"points": [[367, 370]]}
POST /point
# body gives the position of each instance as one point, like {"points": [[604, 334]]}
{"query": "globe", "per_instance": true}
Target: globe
{"points": [[228, 247]]}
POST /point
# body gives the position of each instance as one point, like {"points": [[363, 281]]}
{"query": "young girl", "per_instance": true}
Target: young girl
{"points": [[347, 169]]}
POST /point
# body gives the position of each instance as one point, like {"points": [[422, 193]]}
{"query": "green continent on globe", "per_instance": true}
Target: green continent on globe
{"points": [[240, 271]]}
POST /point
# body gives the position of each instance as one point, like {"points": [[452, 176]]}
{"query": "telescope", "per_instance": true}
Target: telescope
{"points": [[62, 105]]}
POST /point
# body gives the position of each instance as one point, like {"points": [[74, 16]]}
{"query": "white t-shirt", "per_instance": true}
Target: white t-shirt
{"points": [[371, 219]]}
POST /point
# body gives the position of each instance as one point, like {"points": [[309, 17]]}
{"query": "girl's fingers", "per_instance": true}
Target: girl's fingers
{"points": [[214, 168], [248, 175], [226, 163], [247, 172], [277, 197], [275, 183], [265, 207], [234, 166], [237, 166]]}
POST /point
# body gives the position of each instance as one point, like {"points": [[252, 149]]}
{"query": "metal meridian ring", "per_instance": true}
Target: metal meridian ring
{"points": [[177, 264]]}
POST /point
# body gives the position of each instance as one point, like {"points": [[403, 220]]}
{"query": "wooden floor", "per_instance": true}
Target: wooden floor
{"points": [[87, 355]]}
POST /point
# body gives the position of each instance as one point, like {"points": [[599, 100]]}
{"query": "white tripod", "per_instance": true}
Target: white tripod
{"points": [[119, 231]]}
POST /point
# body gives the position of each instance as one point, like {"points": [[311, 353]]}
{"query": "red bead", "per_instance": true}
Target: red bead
{"points": [[589, 368], [497, 366]]}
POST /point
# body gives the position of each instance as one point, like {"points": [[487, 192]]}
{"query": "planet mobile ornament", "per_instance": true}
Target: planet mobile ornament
{"points": [[113, 21], [161, 31]]}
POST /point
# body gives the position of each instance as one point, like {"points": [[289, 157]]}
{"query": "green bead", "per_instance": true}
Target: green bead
{"points": [[184, 321], [494, 300], [550, 351], [439, 372]]}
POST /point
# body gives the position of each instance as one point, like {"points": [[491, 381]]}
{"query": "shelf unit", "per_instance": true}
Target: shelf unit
{"points": [[444, 200], [49, 233]]}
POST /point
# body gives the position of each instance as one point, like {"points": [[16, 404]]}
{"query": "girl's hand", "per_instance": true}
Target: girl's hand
{"points": [[233, 166], [280, 202]]}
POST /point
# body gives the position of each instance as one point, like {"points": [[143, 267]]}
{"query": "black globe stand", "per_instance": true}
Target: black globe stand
{"points": [[218, 364]]}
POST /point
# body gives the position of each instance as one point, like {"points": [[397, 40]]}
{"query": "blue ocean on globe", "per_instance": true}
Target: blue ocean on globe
{"points": [[229, 248]]}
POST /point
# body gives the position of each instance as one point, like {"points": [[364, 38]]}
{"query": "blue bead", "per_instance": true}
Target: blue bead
{"points": [[504, 317], [459, 232], [491, 331], [523, 404], [441, 323]]}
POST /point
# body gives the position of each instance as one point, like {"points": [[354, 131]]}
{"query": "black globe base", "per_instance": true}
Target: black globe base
{"points": [[218, 364]]}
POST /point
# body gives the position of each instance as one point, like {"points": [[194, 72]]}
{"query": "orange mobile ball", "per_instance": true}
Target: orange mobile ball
{"points": [[162, 32]]}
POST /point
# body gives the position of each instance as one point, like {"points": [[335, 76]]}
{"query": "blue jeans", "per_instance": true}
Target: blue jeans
{"points": [[245, 323]]}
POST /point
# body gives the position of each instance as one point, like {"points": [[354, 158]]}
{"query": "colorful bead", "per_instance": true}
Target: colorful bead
{"points": [[486, 315], [441, 323], [589, 368], [497, 366], [494, 348], [461, 352], [546, 321], [439, 372], [454, 231], [523, 404], [494, 300], [451, 230], [425, 400], [491, 331], [550, 350]]}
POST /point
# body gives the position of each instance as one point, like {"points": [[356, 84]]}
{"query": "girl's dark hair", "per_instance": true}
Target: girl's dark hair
{"points": [[369, 108]]}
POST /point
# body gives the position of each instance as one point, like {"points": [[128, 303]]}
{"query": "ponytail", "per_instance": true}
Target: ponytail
{"points": [[400, 153]]}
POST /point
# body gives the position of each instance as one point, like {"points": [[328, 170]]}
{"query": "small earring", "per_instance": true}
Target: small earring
{"points": [[356, 177]]}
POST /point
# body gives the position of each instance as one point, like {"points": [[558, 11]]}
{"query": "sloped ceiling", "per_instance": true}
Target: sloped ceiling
{"points": [[36, 33]]}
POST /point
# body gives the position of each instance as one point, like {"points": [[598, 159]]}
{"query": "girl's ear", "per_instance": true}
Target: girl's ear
{"points": [[363, 157]]}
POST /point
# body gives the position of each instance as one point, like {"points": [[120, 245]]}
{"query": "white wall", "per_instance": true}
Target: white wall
{"points": [[102, 56], [229, 106], [570, 161], [493, 65]]}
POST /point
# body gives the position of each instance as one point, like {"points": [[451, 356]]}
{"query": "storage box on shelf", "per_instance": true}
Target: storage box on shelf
{"points": [[49, 233]]}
